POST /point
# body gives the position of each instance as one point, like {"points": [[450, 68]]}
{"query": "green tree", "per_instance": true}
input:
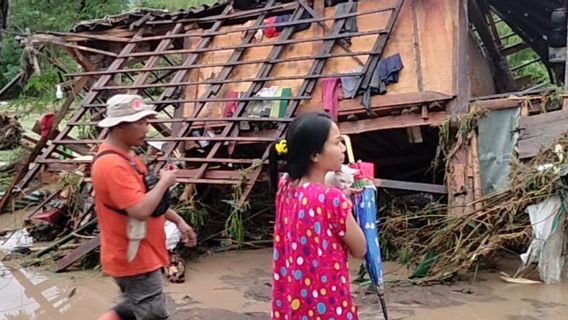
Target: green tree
{"points": [[46, 15]]}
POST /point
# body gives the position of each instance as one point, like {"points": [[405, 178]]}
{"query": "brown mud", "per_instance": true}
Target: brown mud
{"points": [[236, 285]]}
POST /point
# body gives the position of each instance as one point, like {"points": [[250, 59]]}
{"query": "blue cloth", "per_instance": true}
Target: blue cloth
{"points": [[298, 27], [387, 72], [366, 211]]}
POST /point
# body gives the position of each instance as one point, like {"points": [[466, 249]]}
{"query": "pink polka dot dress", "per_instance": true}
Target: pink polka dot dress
{"points": [[310, 274]]}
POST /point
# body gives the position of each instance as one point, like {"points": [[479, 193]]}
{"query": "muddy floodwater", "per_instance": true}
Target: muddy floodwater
{"points": [[236, 285]]}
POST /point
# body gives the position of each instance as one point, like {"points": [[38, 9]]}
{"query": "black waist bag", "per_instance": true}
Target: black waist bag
{"points": [[150, 182]]}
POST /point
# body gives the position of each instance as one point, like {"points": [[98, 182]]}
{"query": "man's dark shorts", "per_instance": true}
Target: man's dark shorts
{"points": [[144, 297]]}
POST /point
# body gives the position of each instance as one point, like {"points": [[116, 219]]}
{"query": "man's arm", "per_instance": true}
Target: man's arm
{"points": [[189, 237], [144, 209]]}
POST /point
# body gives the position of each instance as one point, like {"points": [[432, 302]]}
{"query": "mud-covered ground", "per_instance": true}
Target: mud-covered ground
{"points": [[236, 285]]}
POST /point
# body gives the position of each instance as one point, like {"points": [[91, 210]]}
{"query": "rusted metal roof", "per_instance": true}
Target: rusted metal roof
{"points": [[125, 20]]}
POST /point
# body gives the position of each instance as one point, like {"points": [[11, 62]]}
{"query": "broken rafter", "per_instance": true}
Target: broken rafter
{"points": [[306, 88], [189, 84], [231, 130], [319, 20], [378, 48], [221, 64], [89, 98], [213, 89], [263, 44]]}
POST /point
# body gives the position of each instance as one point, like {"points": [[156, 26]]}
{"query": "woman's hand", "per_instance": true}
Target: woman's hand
{"points": [[352, 191]]}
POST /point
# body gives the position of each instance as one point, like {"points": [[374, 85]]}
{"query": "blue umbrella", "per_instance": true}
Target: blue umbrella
{"points": [[366, 212]]}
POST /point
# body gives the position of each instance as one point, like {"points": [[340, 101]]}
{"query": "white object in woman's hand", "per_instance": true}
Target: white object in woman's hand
{"points": [[342, 179]]}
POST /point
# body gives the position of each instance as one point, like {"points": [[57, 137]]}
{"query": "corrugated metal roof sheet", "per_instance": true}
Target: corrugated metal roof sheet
{"points": [[124, 20]]}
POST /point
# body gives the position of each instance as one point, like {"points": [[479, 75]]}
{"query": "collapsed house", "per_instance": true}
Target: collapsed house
{"points": [[227, 80]]}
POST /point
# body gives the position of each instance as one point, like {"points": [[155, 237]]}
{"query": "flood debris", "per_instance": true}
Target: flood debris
{"points": [[451, 198], [10, 132]]}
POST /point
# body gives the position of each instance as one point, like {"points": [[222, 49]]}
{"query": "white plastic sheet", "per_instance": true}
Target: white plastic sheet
{"points": [[17, 239], [547, 220]]}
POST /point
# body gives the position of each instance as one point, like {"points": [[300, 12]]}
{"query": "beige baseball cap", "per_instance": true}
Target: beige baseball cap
{"points": [[125, 108]]}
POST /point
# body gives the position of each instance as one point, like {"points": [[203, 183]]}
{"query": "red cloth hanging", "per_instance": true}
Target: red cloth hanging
{"points": [[45, 124], [271, 31], [231, 106], [330, 97]]}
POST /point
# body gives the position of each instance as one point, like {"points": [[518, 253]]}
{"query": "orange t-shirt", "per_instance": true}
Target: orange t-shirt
{"points": [[118, 185]]}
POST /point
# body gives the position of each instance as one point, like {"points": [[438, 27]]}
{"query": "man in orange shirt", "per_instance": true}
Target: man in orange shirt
{"points": [[122, 201]]}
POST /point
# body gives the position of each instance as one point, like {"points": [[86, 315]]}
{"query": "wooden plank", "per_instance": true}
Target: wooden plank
{"points": [[290, 23], [261, 44], [540, 131], [77, 254], [222, 64], [411, 186], [418, 55], [391, 122], [68, 237], [514, 49], [393, 100], [197, 83], [498, 104]]}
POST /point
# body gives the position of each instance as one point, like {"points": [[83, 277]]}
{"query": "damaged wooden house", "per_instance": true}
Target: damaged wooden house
{"points": [[227, 79]]}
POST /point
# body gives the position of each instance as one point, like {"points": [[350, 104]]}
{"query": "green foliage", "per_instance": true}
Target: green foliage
{"points": [[536, 71], [172, 5], [58, 15], [44, 15]]}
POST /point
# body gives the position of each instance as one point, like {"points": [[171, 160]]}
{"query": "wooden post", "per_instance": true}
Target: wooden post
{"points": [[457, 183], [457, 168], [477, 184], [461, 60]]}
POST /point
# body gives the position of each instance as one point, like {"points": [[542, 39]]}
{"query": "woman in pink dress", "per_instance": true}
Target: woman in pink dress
{"points": [[314, 227]]}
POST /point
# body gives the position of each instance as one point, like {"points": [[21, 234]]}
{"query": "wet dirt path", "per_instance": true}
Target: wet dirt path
{"points": [[236, 286]]}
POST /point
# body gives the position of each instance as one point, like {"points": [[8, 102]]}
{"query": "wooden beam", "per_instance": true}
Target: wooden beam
{"points": [[411, 186], [390, 101], [498, 104], [514, 48], [77, 254], [391, 122]]}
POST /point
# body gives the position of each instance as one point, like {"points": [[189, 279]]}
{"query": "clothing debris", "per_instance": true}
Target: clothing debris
{"points": [[271, 31], [231, 106], [387, 72], [329, 96], [350, 25]]}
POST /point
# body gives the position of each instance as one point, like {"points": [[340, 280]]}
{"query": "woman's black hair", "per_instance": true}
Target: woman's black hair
{"points": [[306, 137]]}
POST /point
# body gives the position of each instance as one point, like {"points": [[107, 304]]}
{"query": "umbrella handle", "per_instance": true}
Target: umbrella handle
{"points": [[349, 147]]}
